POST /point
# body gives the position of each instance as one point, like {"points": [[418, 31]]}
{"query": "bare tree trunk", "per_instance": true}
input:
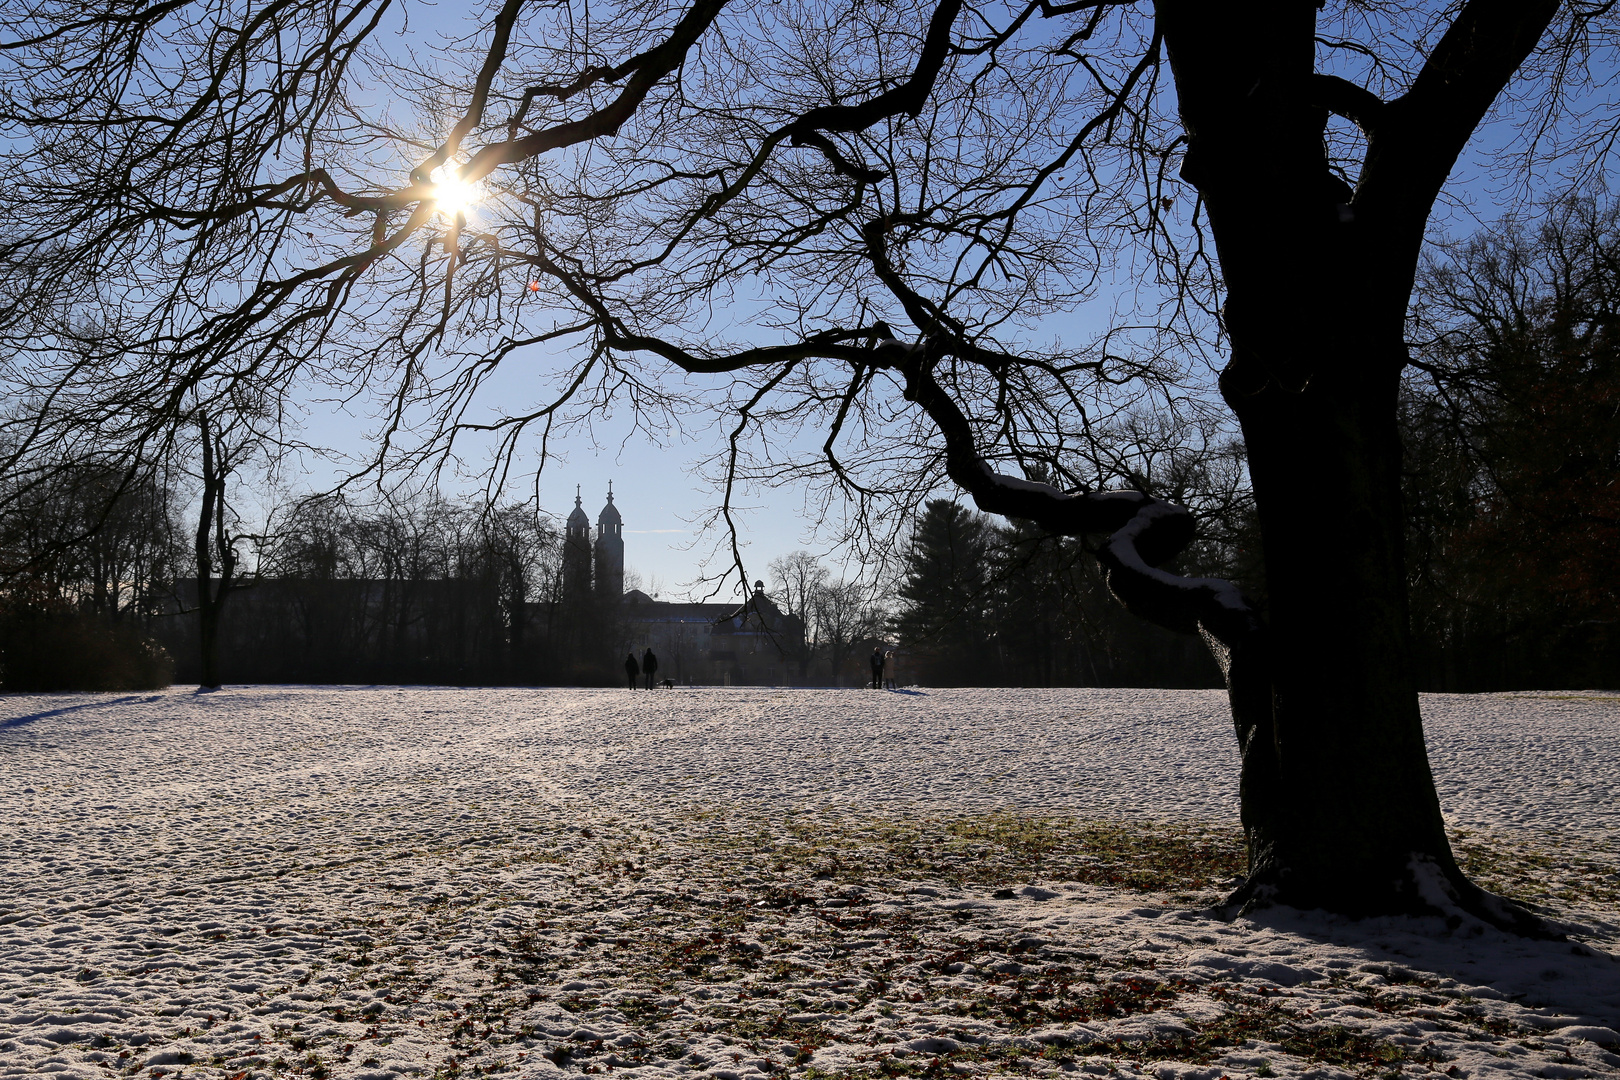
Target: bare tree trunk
{"points": [[1337, 796], [212, 542]]}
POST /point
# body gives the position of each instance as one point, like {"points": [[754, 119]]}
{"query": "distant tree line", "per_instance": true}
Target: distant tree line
{"points": [[102, 593], [844, 618], [425, 590], [972, 601], [984, 604], [85, 547], [1511, 417]]}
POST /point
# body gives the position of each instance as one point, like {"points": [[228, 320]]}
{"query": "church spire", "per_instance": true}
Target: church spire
{"points": [[577, 552], [609, 550]]}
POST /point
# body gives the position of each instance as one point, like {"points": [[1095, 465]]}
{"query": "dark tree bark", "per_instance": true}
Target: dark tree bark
{"points": [[214, 550], [1338, 801]]}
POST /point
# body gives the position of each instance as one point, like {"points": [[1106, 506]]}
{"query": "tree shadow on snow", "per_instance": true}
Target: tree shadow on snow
{"points": [[18, 721], [1573, 985]]}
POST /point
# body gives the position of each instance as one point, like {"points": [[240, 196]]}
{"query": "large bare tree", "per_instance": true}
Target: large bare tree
{"points": [[867, 219]]}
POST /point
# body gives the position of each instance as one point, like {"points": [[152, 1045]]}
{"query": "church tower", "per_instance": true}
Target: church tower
{"points": [[577, 553], [609, 552]]}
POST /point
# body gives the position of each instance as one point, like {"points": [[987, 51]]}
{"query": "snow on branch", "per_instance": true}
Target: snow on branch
{"points": [[1143, 532]]}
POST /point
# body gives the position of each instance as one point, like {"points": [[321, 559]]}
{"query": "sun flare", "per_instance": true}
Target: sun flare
{"points": [[454, 195]]}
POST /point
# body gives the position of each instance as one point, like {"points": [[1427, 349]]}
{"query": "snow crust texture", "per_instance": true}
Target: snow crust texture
{"points": [[372, 882]]}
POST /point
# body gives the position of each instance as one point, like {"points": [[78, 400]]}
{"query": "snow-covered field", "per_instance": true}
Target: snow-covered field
{"points": [[366, 882]]}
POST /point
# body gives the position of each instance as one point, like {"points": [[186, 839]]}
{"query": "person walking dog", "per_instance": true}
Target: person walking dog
{"points": [[649, 665], [631, 669]]}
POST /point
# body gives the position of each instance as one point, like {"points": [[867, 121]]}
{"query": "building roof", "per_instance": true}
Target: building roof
{"points": [[644, 608], [727, 618]]}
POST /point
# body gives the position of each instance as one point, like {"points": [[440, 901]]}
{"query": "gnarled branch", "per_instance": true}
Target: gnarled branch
{"points": [[1143, 532]]}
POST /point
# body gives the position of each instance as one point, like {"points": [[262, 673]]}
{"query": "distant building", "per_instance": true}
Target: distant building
{"points": [[609, 550], [577, 553], [752, 643], [595, 570]]}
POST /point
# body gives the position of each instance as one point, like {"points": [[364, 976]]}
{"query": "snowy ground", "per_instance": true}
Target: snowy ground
{"points": [[367, 882]]}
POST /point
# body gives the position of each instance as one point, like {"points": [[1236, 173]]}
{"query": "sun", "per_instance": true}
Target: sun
{"points": [[453, 195]]}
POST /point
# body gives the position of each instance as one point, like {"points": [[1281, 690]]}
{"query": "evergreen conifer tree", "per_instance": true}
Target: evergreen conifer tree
{"points": [[946, 592]]}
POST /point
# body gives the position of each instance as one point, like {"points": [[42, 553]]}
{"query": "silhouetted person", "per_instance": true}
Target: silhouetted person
{"points": [[631, 670], [877, 669], [649, 666], [888, 666]]}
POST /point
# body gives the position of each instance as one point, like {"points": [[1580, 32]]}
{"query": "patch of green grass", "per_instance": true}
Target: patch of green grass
{"points": [[993, 849], [1187, 860], [1582, 872]]}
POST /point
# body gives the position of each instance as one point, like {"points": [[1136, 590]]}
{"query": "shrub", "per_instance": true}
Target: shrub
{"points": [[47, 651]]}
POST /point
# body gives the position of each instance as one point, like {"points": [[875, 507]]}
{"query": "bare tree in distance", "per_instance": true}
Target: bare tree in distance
{"points": [[844, 614], [222, 450], [796, 579], [838, 614], [1513, 404], [86, 551], [893, 199]]}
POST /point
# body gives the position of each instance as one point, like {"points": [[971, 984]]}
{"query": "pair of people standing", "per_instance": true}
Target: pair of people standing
{"points": [[648, 667], [882, 669]]}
